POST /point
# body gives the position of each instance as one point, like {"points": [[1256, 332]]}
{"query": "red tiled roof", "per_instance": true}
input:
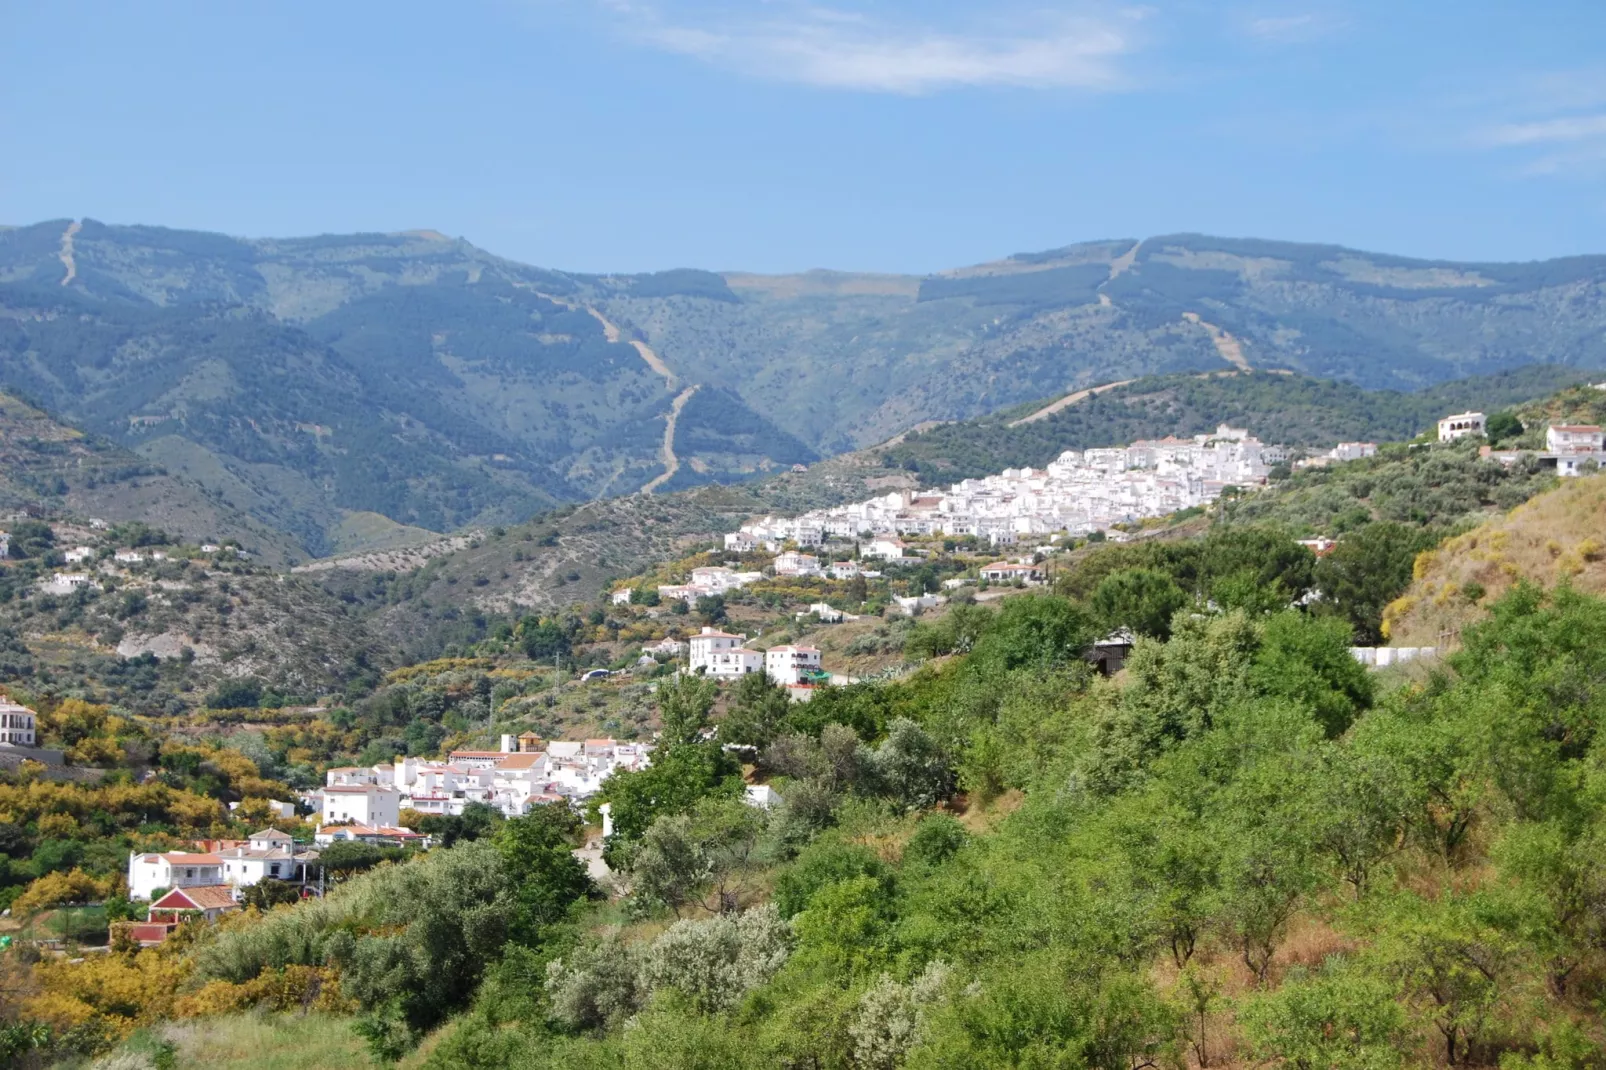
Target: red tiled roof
{"points": [[524, 760], [479, 753], [179, 858], [200, 897]]}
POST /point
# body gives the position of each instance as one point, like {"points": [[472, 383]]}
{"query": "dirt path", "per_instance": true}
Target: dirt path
{"points": [[1231, 350], [66, 251], [613, 334], [671, 462], [1069, 399]]}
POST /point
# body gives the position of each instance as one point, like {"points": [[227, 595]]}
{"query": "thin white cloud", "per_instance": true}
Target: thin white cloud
{"points": [[837, 49], [1550, 126], [1565, 128]]}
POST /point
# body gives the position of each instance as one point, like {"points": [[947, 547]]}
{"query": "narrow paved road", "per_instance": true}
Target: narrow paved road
{"points": [[671, 462], [66, 251]]}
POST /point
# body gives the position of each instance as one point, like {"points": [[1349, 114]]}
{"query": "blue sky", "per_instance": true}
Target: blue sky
{"points": [[625, 135]]}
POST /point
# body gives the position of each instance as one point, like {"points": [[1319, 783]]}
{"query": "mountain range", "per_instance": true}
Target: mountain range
{"points": [[363, 390]]}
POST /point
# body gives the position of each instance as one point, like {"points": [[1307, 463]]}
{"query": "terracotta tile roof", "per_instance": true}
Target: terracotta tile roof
{"points": [[525, 760], [200, 897], [179, 858], [478, 753], [270, 832]]}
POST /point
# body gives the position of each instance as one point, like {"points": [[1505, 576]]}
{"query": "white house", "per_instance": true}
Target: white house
{"points": [[707, 644], [16, 724], [1461, 425], [78, 554], [738, 661], [173, 869], [670, 646], [360, 804], [1352, 451], [620, 597], [786, 664], [1573, 438], [128, 557], [267, 855], [390, 837], [741, 542], [844, 570], [886, 547], [793, 563], [1007, 572]]}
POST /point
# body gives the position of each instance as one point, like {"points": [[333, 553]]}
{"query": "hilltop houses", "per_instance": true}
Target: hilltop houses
{"points": [[1080, 491]]}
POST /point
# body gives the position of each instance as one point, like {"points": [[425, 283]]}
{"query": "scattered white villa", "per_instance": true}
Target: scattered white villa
{"points": [[669, 646], [1012, 572], [78, 554], [267, 855], [787, 665], [793, 563], [16, 724], [1573, 438], [1569, 447], [843, 570], [171, 869], [1461, 425]]}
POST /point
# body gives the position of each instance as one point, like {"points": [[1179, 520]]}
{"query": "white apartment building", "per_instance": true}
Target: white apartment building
{"points": [[708, 643], [735, 662], [360, 804], [172, 869], [1461, 425], [16, 724], [786, 664]]}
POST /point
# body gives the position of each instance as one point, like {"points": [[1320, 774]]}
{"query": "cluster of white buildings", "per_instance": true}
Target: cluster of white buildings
{"points": [[525, 772], [724, 655], [267, 855], [1079, 492]]}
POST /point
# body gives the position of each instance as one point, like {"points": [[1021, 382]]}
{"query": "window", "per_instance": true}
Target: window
{"points": [[274, 869], [189, 872]]}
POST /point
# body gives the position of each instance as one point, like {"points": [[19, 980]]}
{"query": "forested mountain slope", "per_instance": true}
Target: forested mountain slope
{"points": [[421, 379], [53, 468]]}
